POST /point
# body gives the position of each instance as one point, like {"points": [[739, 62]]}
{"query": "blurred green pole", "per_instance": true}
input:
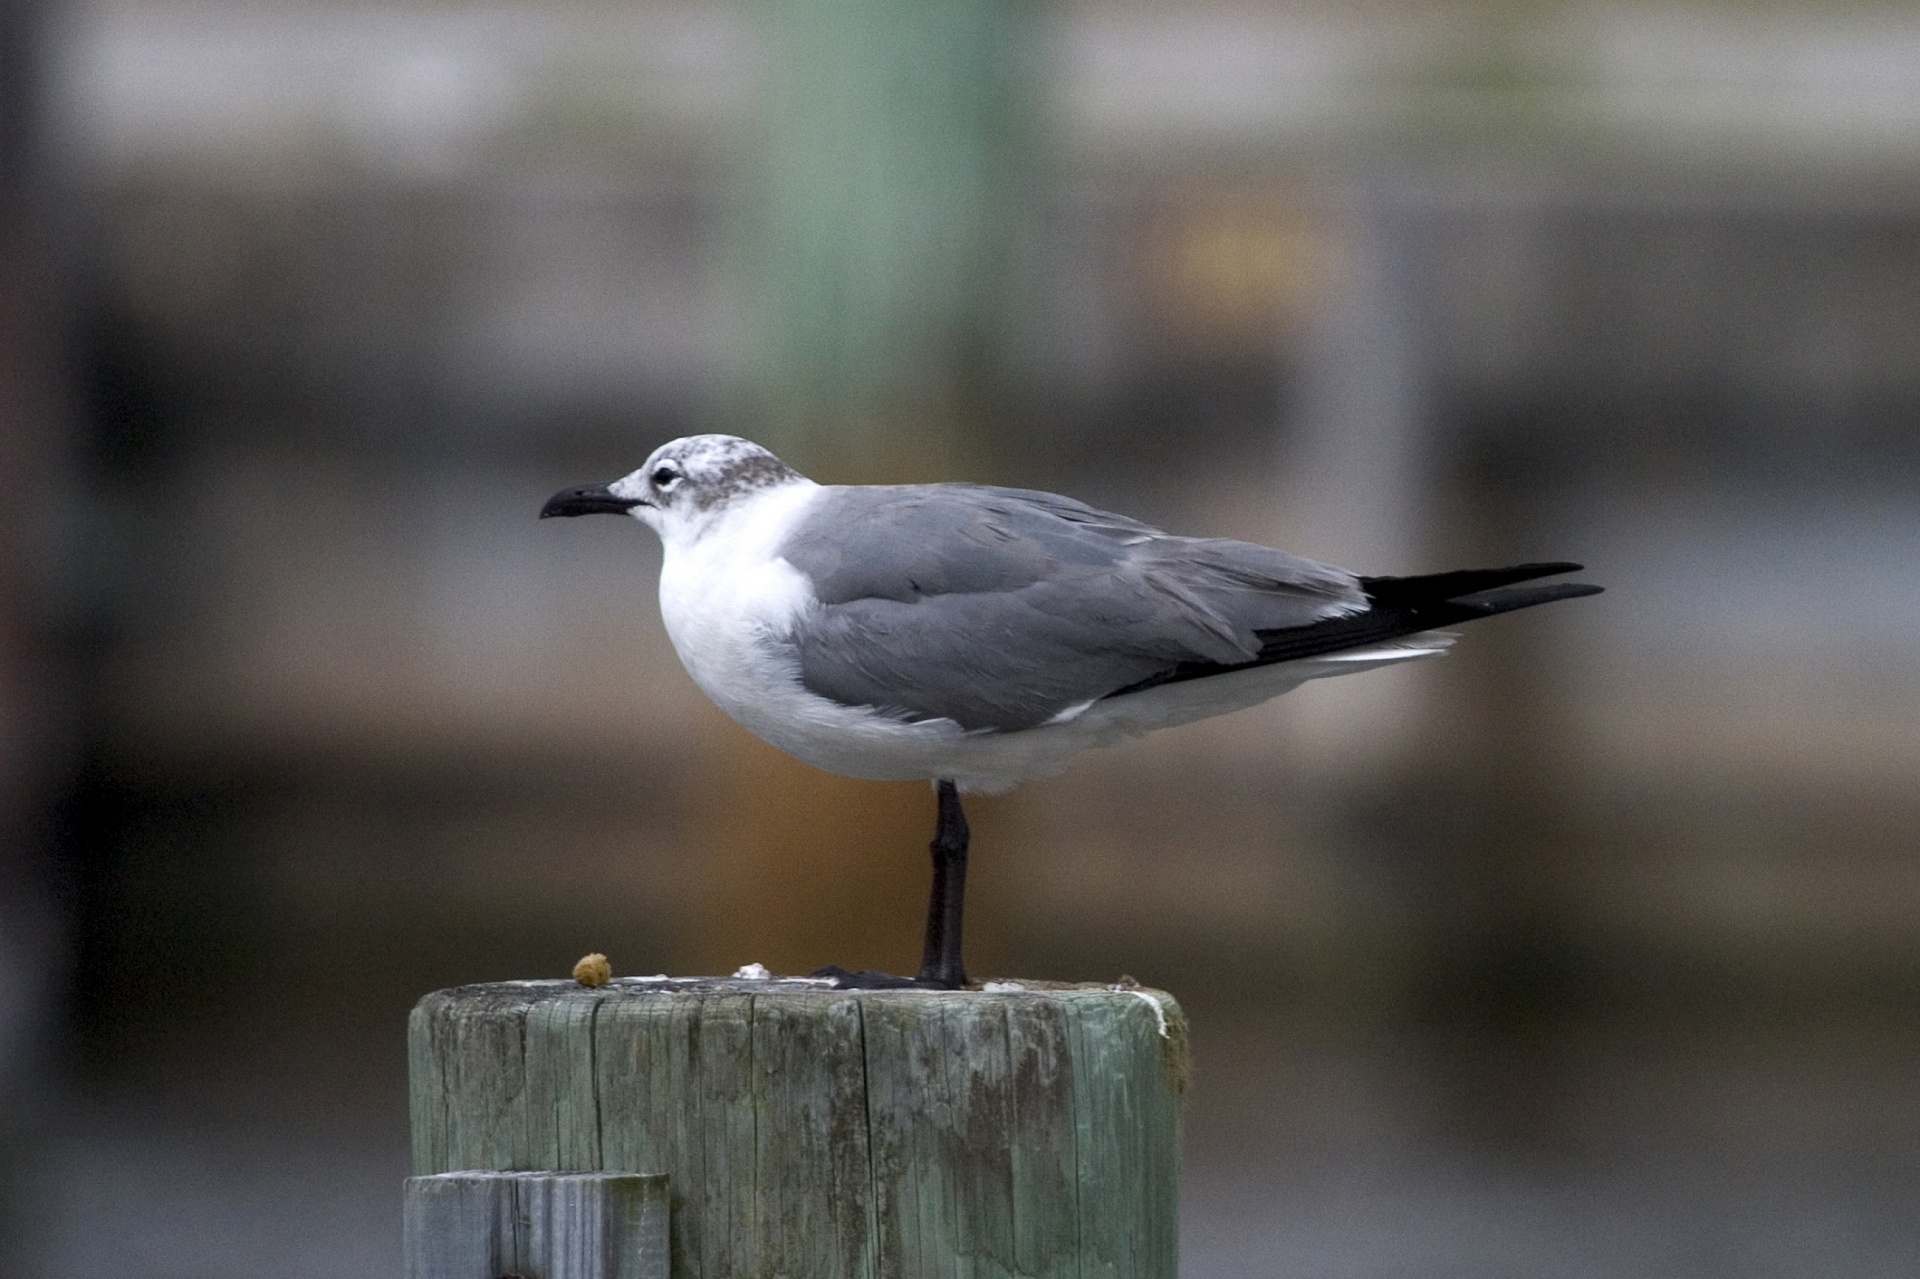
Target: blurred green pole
{"points": [[891, 169], [889, 174]]}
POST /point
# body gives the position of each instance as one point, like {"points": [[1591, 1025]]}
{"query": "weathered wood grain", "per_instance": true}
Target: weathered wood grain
{"points": [[485, 1224], [810, 1132]]}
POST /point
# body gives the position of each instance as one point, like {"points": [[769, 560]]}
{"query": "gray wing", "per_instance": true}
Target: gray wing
{"points": [[1000, 608]]}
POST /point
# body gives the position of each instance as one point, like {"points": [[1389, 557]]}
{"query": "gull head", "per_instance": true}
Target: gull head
{"points": [[682, 487]]}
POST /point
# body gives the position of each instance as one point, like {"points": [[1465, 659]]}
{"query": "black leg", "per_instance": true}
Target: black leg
{"points": [[940, 960]]}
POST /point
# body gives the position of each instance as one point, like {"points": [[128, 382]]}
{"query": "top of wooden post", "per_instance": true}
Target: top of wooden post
{"points": [[555, 994], [565, 987]]}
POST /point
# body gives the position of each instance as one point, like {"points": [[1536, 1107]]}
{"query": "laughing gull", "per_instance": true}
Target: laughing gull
{"points": [[977, 636]]}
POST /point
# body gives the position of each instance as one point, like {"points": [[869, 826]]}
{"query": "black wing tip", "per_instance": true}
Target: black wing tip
{"points": [[1433, 588], [1507, 599], [1383, 622], [1542, 568], [1512, 573]]}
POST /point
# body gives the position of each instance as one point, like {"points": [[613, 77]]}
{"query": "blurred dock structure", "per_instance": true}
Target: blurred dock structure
{"points": [[351, 290]]}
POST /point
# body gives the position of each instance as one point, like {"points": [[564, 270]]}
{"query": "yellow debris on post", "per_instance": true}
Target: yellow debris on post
{"points": [[593, 970]]}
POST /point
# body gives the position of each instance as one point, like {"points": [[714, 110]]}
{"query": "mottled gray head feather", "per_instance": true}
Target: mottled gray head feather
{"points": [[701, 472]]}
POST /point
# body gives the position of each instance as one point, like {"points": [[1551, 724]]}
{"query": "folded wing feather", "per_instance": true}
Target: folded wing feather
{"points": [[1000, 608]]}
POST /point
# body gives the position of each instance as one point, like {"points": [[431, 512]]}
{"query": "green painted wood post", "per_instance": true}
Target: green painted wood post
{"points": [[810, 1132]]}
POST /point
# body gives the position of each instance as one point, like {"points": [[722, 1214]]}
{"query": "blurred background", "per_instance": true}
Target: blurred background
{"points": [[1593, 949]]}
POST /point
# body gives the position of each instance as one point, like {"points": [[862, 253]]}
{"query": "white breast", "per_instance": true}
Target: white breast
{"points": [[726, 597], [729, 603]]}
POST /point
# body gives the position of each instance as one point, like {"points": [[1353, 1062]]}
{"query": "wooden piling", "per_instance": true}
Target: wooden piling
{"points": [[805, 1131]]}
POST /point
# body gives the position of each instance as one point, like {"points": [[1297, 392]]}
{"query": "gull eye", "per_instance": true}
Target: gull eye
{"points": [[664, 477]]}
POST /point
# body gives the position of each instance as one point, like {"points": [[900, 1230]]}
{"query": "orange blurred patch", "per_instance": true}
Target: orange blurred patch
{"points": [[806, 868]]}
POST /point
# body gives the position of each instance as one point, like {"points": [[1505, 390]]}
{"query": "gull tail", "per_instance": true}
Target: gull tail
{"points": [[1409, 605], [1400, 607]]}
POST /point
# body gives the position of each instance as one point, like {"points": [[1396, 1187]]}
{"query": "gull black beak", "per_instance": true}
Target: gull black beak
{"points": [[588, 499]]}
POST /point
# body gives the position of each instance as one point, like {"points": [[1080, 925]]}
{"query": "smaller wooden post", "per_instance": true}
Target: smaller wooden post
{"points": [[539, 1225]]}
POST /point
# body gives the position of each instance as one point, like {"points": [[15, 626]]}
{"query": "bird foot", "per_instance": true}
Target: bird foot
{"points": [[868, 979]]}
